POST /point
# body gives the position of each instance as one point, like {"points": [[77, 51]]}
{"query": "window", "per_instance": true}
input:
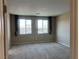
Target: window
{"points": [[25, 26], [42, 26]]}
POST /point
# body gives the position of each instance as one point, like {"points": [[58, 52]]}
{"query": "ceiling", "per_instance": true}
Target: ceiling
{"points": [[38, 7]]}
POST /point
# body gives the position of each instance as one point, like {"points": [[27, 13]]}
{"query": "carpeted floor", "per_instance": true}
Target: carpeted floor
{"points": [[40, 51]]}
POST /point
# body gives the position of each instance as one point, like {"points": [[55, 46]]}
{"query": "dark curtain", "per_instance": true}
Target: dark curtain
{"points": [[50, 25], [16, 25]]}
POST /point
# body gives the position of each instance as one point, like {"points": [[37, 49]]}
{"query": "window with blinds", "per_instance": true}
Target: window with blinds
{"points": [[42, 26], [25, 26]]}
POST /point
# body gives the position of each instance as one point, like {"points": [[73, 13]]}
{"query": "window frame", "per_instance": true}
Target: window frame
{"points": [[26, 18], [42, 18]]}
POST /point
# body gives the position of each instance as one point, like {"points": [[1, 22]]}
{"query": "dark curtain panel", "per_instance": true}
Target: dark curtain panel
{"points": [[50, 25], [16, 25]]}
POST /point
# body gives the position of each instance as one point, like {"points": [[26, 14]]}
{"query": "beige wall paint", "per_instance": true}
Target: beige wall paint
{"points": [[63, 29], [33, 38]]}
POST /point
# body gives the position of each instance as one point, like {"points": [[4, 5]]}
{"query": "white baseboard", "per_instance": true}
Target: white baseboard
{"points": [[63, 44]]}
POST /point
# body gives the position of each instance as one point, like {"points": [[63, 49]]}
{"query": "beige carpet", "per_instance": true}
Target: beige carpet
{"points": [[40, 51]]}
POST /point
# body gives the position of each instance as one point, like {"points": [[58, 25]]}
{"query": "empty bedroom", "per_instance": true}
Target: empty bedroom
{"points": [[38, 29]]}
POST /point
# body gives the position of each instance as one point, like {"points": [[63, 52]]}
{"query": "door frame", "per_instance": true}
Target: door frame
{"points": [[73, 31]]}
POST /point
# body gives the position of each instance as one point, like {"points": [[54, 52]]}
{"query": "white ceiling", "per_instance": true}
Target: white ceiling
{"points": [[38, 7]]}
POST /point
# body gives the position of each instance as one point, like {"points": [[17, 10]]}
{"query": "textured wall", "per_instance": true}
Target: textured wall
{"points": [[63, 29], [34, 37]]}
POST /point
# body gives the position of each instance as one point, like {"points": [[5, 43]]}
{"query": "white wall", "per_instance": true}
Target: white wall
{"points": [[63, 29]]}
